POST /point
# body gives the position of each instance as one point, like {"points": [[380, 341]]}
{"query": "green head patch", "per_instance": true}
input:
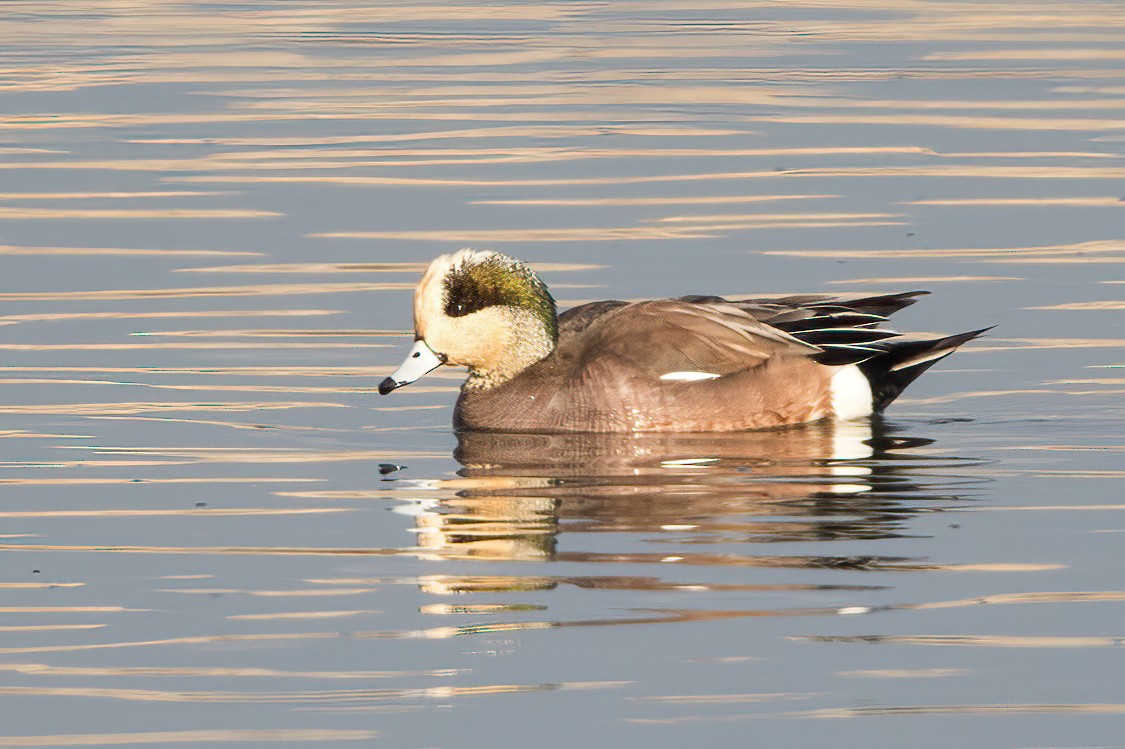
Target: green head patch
{"points": [[497, 280]]}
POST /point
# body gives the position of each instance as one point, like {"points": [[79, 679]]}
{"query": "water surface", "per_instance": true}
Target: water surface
{"points": [[215, 533]]}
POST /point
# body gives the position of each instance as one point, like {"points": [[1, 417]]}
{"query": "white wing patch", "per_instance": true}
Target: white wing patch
{"points": [[688, 376]]}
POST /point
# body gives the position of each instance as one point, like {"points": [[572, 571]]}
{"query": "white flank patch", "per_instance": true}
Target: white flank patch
{"points": [[851, 393], [687, 376]]}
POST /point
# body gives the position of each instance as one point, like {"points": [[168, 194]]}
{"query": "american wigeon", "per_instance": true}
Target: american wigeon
{"points": [[691, 364]]}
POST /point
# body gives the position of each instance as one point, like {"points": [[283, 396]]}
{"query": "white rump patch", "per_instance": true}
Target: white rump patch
{"points": [[688, 376], [851, 393]]}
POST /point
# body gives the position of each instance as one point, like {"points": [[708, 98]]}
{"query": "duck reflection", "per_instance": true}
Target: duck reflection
{"points": [[516, 493]]}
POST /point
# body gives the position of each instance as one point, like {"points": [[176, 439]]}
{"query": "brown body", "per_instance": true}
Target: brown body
{"points": [[605, 375]]}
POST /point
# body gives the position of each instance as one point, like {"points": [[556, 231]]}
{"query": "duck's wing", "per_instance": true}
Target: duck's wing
{"points": [[711, 335], [576, 319], [847, 331], [680, 339]]}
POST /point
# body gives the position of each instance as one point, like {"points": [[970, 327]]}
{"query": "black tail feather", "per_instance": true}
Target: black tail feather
{"points": [[904, 361], [885, 304]]}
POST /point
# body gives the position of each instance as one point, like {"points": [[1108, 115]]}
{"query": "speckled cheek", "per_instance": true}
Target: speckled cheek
{"points": [[476, 340]]}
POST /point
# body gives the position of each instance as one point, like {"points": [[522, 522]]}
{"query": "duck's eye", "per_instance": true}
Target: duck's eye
{"points": [[460, 304], [416, 354]]}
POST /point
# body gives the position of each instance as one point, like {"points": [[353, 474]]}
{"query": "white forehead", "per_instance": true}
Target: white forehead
{"points": [[468, 256], [429, 299]]}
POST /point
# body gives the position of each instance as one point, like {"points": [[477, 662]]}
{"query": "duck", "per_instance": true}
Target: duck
{"points": [[686, 364]]}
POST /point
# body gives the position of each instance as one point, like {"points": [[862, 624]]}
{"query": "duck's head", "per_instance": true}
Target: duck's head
{"points": [[481, 310]]}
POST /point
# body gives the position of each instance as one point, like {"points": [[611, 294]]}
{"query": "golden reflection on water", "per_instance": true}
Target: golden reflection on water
{"points": [[902, 673], [276, 333], [113, 408], [131, 213], [152, 314], [238, 371], [149, 345], [338, 697], [271, 593], [47, 627], [992, 641], [923, 279], [599, 234], [719, 699], [1063, 253], [1048, 708], [234, 455], [1108, 202], [1084, 306], [277, 289], [681, 200], [194, 737], [112, 251], [899, 710], [1011, 172], [290, 615], [44, 669]]}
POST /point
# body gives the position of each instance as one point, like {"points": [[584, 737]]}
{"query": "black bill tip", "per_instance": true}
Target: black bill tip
{"points": [[387, 386]]}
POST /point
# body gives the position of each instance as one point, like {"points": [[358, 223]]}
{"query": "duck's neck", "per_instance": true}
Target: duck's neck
{"points": [[524, 342]]}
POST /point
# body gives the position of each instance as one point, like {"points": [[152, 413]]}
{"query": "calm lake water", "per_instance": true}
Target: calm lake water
{"points": [[214, 532]]}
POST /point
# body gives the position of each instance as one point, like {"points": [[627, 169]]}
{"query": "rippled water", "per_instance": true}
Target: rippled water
{"points": [[214, 532]]}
